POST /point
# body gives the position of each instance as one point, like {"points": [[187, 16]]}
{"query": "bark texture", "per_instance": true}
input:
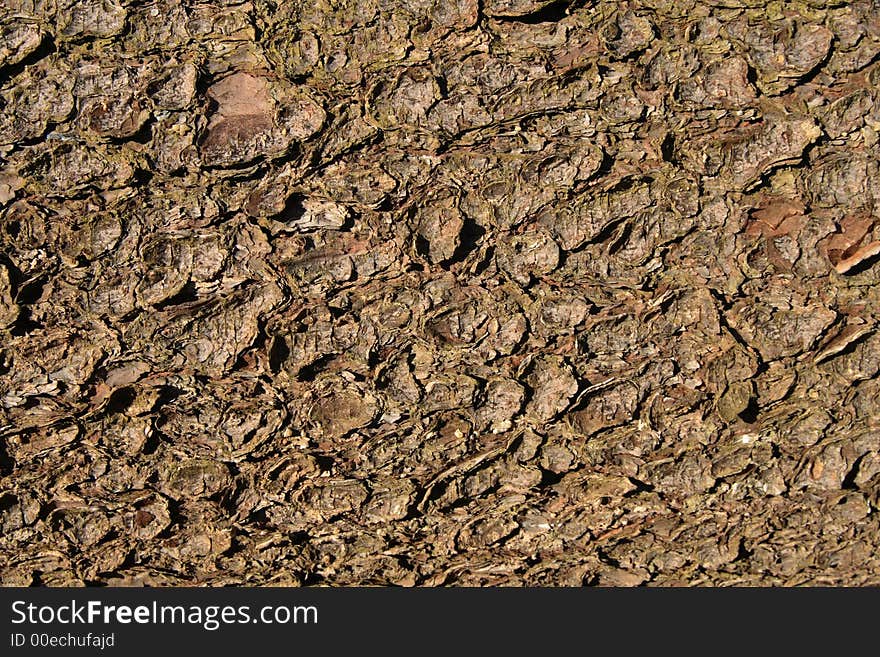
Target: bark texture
{"points": [[511, 292]]}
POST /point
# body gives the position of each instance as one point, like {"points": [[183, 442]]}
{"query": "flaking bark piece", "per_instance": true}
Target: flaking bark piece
{"points": [[9, 310], [847, 248], [864, 253], [69, 168], [439, 226], [297, 213], [777, 140], [776, 217], [342, 408], [528, 255], [242, 121], [610, 406], [148, 518], [178, 89], [405, 102], [842, 340], [723, 84], [110, 99], [328, 498], [197, 478], [783, 331], [19, 40], [592, 215], [321, 214], [630, 34], [845, 178], [514, 8], [247, 122], [390, 500], [782, 51], [9, 185], [503, 401], [735, 400], [553, 385], [90, 18]]}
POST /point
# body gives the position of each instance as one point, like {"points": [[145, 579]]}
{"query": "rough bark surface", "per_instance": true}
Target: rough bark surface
{"points": [[511, 292]]}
